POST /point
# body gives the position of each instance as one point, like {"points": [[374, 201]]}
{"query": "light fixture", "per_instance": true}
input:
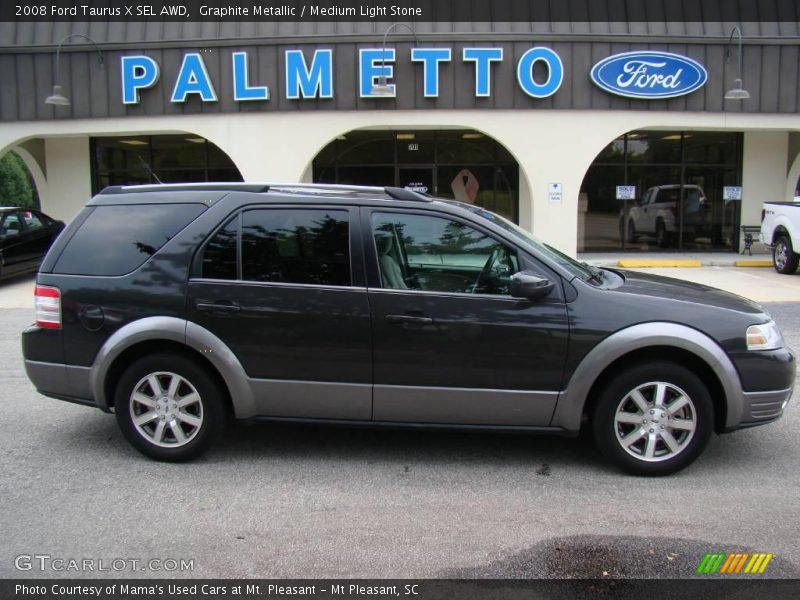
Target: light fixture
{"points": [[472, 136], [57, 98], [406, 136], [737, 92], [382, 88], [131, 142], [196, 140]]}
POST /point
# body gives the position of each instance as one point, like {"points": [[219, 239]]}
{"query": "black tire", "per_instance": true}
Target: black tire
{"points": [[784, 258], [200, 421], [653, 428], [662, 235], [632, 235]]}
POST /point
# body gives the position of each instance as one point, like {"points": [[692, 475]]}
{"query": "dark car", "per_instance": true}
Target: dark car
{"points": [[177, 306], [25, 237]]}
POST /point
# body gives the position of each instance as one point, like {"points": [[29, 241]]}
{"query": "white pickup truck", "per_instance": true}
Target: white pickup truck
{"points": [[780, 228]]}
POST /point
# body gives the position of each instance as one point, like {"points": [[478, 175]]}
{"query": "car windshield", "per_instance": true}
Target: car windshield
{"points": [[581, 270]]}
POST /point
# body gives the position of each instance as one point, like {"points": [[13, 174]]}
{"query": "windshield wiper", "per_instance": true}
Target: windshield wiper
{"points": [[595, 273]]}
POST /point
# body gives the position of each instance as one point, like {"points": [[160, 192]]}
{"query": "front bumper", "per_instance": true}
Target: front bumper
{"points": [[763, 407], [761, 373]]}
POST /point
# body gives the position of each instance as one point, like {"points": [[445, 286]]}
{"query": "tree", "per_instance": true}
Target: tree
{"points": [[16, 185]]}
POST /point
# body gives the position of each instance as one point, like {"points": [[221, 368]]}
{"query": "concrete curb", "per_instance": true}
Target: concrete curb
{"points": [[753, 263], [643, 264], [659, 262]]}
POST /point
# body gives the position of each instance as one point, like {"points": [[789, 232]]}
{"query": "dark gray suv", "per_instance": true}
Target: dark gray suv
{"points": [[177, 307]]}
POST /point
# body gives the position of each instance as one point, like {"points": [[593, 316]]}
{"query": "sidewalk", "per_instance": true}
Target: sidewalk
{"points": [[760, 258]]}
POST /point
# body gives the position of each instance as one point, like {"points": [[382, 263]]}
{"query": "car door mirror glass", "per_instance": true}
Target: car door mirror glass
{"points": [[529, 285]]}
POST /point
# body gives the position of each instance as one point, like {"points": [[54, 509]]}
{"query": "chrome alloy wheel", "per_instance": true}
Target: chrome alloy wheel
{"points": [[166, 409], [781, 254], [656, 421]]}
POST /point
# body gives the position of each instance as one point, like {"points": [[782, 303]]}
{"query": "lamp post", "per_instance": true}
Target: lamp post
{"points": [[737, 92], [57, 98], [382, 88]]}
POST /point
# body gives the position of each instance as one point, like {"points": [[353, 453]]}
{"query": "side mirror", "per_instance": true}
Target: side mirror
{"points": [[526, 284]]}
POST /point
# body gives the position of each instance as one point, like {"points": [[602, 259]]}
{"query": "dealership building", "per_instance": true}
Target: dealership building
{"points": [[595, 136]]}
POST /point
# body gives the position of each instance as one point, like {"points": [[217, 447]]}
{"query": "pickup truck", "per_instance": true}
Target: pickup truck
{"points": [[780, 229], [658, 214]]}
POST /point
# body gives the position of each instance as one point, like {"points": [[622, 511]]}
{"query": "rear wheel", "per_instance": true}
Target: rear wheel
{"points": [[168, 408], [632, 231], [784, 258], [662, 237], [653, 419]]}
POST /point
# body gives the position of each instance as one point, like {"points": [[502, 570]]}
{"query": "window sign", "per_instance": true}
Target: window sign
{"points": [[626, 192], [732, 192], [555, 193]]}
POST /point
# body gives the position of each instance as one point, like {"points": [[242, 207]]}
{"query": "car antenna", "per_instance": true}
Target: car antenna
{"points": [[149, 170]]}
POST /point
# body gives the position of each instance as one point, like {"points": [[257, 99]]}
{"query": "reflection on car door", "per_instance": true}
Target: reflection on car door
{"points": [[450, 344], [290, 310]]}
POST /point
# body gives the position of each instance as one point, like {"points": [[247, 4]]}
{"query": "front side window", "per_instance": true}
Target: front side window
{"points": [[420, 252]]}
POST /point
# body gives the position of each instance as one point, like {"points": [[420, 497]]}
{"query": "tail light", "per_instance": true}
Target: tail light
{"points": [[763, 213], [48, 307]]}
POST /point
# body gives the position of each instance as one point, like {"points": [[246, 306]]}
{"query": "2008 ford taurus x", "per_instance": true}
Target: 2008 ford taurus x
{"points": [[175, 307]]}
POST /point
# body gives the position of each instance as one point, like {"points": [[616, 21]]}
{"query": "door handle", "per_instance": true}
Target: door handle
{"points": [[403, 319], [218, 307]]}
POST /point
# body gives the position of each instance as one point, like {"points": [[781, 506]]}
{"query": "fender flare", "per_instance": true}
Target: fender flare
{"points": [[572, 400], [782, 222], [183, 332]]}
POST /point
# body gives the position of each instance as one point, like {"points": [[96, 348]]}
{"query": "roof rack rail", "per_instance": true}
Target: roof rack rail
{"points": [[406, 194], [187, 187], [395, 193]]}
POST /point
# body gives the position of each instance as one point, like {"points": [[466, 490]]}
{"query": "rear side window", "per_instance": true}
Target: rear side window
{"points": [[309, 246], [219, 257], [115, 240]]}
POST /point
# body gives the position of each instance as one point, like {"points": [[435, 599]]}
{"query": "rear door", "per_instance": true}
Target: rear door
{"points": [[450, 344], [283, 288]]}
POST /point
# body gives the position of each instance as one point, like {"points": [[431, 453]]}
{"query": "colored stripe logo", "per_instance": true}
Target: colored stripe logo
{"points": [[734, 563]]}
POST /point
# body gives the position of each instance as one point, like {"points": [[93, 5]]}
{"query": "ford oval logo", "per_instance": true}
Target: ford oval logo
{"points": [[649, 74]]}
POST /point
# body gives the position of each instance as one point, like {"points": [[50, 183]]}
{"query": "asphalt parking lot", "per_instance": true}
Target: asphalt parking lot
{"points": [[290, 501]]}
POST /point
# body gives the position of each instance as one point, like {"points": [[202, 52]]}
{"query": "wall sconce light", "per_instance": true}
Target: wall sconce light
{"points": [[737, 92], [57, 98], [382, 88]]}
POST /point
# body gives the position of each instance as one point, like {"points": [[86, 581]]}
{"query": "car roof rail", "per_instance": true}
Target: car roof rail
{"points": [[394, 193], [187, 187]]}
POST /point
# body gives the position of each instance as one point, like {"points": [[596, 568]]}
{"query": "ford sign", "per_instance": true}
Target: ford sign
{"points": [[649, 75]]}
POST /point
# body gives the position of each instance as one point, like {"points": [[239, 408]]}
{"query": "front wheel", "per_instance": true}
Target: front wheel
{"points": [[653, 419], [168, 408], [784, 258]]}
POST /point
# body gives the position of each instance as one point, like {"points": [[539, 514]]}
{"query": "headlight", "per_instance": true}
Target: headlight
{"points": [[766, 336]]}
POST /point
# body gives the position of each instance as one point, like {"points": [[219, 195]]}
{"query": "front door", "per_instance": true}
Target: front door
{"points": [[277, 286], [450, 344]]}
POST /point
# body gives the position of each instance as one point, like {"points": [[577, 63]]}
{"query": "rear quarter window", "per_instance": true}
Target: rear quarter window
{"points": [[115, 240]]}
